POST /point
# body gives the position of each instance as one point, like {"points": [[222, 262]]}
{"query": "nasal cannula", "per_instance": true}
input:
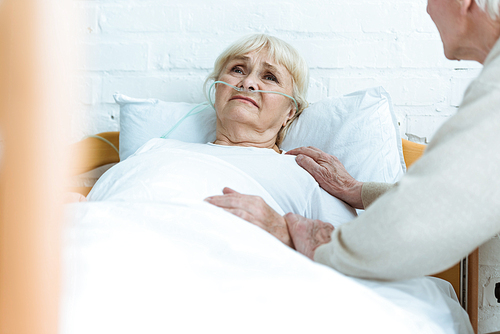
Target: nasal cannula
{"points": [[204, 105]]}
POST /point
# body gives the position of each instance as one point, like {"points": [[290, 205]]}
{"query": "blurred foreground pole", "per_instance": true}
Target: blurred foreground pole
{"points": [[34, 85]]}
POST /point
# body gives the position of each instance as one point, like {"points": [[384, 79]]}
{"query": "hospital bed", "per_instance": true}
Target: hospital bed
{"points": [[429, 302]]}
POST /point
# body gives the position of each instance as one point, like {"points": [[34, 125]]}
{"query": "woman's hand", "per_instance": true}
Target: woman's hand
{"points": [[254, 210], [331, 175], [308, 234]]}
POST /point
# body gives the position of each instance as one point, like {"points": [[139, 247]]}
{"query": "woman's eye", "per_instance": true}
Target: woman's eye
{"points": [[237, 69], [271, 77]]}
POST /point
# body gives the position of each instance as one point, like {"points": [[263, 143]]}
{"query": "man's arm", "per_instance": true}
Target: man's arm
{"points": [[370, 191]]}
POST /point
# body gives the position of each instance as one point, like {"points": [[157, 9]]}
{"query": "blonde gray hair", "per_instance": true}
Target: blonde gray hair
{"points": [[283, 54]]}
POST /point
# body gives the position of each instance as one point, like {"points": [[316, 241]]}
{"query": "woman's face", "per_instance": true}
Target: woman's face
{"points": [[260, 112]]}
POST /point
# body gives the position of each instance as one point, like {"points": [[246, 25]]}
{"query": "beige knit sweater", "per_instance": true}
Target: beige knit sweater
{"points": [[443, 208]]}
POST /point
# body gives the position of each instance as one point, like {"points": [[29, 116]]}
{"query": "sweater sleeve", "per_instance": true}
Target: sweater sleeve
{"points": [[370, 191], [445, 206]]}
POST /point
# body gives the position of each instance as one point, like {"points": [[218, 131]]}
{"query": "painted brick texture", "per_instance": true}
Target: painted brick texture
{"points": [[164, 49]]}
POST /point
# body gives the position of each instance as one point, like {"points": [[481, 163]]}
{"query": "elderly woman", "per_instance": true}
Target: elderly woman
{"points": [[260, 86]]}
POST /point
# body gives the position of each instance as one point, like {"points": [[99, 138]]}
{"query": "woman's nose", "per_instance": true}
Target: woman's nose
{"points": [[249, 83]]}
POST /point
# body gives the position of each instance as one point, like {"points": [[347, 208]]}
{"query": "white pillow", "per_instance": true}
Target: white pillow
{"points": [[144, 119], [359, 128]]}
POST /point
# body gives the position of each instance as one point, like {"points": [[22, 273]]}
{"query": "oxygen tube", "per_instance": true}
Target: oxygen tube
{"points": [[204, 105], [190, 113]]}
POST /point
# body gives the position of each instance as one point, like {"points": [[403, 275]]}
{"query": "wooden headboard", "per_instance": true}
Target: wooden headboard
{"points": [[94, 152], [91, 153]]}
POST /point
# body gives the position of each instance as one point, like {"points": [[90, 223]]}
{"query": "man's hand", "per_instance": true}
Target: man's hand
{"points": [[254, 210], [308, 234], [331, 175]]}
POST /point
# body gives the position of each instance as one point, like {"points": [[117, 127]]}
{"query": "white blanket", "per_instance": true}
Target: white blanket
{"points": [[163, 168], [149, 256]]}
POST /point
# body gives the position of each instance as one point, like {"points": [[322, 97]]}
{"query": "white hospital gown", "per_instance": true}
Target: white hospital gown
{"points": [[291, 187]]}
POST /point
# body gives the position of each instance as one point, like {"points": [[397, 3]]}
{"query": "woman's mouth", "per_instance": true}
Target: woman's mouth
{"points": [[244, 99]]}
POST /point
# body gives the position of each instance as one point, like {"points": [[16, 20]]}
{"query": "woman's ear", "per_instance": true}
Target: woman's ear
{"points": [[465, 6], [289, 116]]}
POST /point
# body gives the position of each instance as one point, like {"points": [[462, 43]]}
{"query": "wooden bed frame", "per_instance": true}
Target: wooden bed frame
{"points": [[95, 152]]}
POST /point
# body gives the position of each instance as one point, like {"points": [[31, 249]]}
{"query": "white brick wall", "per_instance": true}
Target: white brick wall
{"points": [[165, 48], [489, 268]]}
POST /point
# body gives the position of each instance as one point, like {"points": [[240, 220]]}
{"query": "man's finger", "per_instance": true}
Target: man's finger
{"points": [[254, 205], [308, 164], [228, 190], [225, 201], [291, 220], [310, 151]]}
